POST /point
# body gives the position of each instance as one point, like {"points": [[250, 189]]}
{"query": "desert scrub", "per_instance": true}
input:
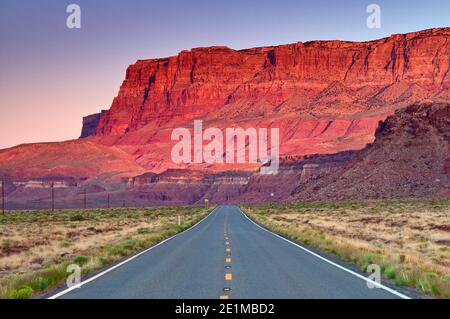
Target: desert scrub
{"points": [[409, 239], [22, 293], [77, 217], [143, 230], [46, 242], [81, 260]]}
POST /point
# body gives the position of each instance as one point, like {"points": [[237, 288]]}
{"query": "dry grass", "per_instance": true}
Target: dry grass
{"points": [[409, 239], [36, 247]]}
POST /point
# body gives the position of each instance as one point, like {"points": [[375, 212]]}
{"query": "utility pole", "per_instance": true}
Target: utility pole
{"points": [[85, 201], [3, 197], [108, 202], [53, 196]]}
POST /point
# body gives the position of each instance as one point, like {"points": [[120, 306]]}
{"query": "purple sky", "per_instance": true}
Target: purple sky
{"points": [[52, 76]]}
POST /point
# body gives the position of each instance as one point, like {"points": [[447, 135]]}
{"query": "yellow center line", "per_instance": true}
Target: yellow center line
{"points": [[228, 276]]}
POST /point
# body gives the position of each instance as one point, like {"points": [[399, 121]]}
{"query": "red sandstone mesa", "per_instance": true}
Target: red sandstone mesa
{"points": [[325, 96], [324, 78]]}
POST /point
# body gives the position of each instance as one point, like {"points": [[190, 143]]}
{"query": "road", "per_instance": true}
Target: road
{"points": [[228, 256]]}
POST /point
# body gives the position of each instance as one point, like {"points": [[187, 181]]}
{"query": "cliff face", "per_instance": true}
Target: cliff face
{"points": [[326, 97], [329, 78], [90, 124], [410, 157]]}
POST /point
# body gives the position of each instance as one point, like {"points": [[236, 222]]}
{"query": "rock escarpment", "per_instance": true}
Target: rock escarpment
{"points": [[409, 158], [90, 124], [324, 78], [326, 97]]}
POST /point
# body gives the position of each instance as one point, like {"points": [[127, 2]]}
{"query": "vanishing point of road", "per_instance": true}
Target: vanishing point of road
{"points": [[227, 255]]}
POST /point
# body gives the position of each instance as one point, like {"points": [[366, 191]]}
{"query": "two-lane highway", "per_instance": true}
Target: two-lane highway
{"points": [[228, 256]]}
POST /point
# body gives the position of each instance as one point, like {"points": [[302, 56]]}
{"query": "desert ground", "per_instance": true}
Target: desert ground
{"points": [[37, 246], [408, 239]]}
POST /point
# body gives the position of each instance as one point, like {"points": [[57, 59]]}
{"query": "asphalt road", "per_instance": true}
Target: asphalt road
{"points": [[227, 250]]}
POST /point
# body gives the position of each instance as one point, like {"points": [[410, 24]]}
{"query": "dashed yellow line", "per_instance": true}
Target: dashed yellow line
{"points": [[228, 276]]}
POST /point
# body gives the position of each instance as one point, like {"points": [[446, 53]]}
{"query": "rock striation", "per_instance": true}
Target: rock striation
{"points": [[90, 124], [324, 78], [409, 158], [326, 97]]}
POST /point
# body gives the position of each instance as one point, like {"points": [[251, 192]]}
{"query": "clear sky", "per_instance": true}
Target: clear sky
{"points": [[51, 76]]}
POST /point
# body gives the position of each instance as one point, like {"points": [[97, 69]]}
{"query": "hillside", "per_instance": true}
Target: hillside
{"points": [[409, 158]]}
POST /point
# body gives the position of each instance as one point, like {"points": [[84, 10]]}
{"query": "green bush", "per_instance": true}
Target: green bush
{"points": [[76, 218], [390, 272], [144, 230], [22, 293], [116, 250], [129, 244], [155, 238], [402, 279], [81, 260], [40, 283]]}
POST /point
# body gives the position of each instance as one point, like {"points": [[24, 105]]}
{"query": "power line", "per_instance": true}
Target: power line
{"points": [[3, 197], [53, 196]]}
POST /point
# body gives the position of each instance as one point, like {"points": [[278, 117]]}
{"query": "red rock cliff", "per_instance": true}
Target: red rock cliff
{"points": [[324, 96], [323, 78]]}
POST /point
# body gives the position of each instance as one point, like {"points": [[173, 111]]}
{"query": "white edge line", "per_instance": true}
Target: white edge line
{"points": [[61, 293], [392, 291]]}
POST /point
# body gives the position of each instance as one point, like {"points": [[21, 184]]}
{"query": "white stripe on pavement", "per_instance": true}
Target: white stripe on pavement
{"points": [[59, 294], [392, 291]]}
